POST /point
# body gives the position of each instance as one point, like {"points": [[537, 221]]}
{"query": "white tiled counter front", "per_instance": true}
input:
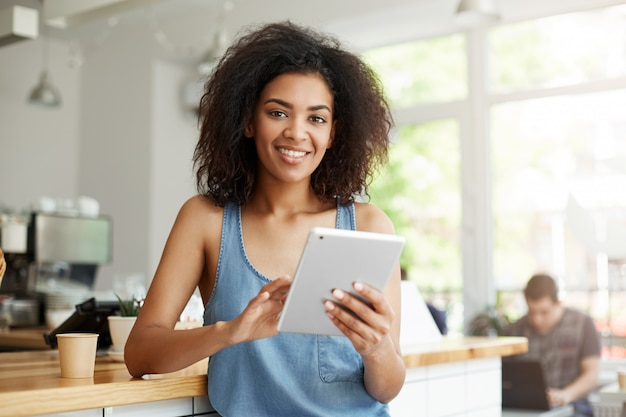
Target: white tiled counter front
{"points": [[469, 388], [182, 407], [458, 378]]}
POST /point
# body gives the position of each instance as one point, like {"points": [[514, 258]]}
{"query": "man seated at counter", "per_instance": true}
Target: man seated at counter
{"points": [[564, 340]]}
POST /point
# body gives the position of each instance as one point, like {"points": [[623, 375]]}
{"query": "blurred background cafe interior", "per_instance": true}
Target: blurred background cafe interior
{"points": [[509, 152]]}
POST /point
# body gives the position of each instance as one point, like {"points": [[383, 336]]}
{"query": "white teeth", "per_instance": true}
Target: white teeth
{"points": [[290, 153]]}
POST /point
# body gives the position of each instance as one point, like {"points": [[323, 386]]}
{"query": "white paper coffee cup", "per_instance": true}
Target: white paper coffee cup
{"points": [[77, 354]]}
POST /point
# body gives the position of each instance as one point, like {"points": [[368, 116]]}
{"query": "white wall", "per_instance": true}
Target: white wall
{"points": [[38, 146], [136, 149], [115, 147], [174, 137], [121, 137]]}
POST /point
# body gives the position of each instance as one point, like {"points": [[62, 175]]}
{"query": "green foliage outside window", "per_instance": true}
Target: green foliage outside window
{"points": [[419, 190], [556, 51], [424, 71]]}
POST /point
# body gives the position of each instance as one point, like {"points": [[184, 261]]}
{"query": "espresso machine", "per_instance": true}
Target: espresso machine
{"points": [[50, 252]]}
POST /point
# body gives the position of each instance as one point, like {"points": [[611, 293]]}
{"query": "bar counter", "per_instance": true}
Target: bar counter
{"points": [[30, 382]]}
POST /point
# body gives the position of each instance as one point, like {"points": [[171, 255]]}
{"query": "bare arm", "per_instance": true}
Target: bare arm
{"points": [[585, 383], [3, 265], [377, 335], [153, 345]]}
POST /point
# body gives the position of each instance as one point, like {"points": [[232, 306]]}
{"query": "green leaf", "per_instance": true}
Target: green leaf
{"points": [[129, 308]]}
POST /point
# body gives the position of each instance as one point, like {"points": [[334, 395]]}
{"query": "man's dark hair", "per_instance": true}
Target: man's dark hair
{"points": [[540, 286]]}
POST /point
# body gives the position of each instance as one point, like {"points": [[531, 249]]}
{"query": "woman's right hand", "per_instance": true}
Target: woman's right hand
{"points": [[260, 317]]}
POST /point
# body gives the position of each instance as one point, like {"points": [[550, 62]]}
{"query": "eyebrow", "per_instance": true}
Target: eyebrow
{"points": [[290, 106]]}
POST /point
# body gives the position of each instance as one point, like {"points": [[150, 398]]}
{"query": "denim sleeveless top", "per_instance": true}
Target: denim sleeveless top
{"points": [[287, 374]]}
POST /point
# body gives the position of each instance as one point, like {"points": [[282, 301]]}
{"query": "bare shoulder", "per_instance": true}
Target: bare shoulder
{"points": [[370, 218], [200, 216], [201, 204], [200, 207]]}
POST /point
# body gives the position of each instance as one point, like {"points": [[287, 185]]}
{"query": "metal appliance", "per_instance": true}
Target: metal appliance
{"points": [[49, 248]]}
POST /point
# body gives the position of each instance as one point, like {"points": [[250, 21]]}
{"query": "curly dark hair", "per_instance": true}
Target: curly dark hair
{"points": [[226, 162]]}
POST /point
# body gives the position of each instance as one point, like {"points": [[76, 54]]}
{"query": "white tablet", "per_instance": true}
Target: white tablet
{"points": [[335, 258]]}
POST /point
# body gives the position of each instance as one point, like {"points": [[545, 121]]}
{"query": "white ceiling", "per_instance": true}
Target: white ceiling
{"points": [[361, 23], [192, 18]]}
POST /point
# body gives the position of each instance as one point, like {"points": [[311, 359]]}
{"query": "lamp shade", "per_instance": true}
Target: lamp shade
{"points": [[212, 57], [472, 13], [44, 93]]}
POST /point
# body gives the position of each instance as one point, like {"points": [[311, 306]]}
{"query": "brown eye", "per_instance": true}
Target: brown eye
{"points": [[277, 113]]}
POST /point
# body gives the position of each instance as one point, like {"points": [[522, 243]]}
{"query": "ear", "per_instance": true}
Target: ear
{"points": [[248, 131]]}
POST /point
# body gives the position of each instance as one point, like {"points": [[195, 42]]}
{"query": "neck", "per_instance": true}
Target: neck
{"points": [[558, 315], [285, 199]]}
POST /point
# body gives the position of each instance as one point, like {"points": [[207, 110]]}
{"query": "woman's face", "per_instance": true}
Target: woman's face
{"points": [[292, 126]]}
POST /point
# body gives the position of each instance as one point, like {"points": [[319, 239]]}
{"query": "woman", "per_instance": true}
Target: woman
{"points": [[292, 128]]}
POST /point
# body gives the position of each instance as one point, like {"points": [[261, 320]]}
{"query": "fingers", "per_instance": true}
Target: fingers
{"points": [[273, 294], [557, 397], [373, 296], [278, 288], [279, 284], [368, 304], [365, 316], [260, 318]]}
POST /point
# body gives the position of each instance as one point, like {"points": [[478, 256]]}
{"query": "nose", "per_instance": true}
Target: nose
{"points": [[296, 129]]}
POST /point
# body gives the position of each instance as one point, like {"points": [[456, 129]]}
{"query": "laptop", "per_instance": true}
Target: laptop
{"points": [[523, 385]]}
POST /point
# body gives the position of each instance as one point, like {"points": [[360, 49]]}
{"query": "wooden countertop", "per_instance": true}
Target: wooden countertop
{"points": [[31, 383], [451, 349], [24, 338]]}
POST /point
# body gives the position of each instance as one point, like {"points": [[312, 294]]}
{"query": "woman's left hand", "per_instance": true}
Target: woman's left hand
{"points": [[370, 328]]}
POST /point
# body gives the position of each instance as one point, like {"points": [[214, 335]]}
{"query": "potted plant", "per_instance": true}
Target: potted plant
{"points": [[129, 308], [120, 326], [491, 322]]}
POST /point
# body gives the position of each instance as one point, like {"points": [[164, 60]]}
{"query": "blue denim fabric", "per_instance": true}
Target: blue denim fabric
{"points": [[288, 374]]}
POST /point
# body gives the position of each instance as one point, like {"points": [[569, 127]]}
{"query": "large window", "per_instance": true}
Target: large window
{"points": [[420, 192], [555, 131], [426, 71], [559, 187], [559, 171], [557, 51], [420, 189]]}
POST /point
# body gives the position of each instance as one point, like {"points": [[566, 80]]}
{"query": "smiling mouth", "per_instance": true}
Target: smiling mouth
{"points": [[291, 153]]}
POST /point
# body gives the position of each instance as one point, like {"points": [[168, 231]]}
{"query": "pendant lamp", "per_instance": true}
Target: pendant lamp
{"points": [[220, 42], [473, 13], [44, 94], [212, 57]]}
